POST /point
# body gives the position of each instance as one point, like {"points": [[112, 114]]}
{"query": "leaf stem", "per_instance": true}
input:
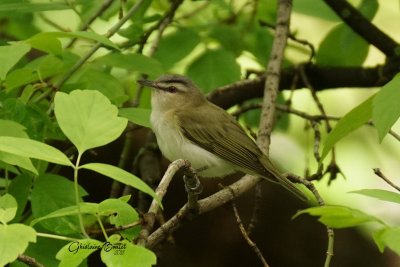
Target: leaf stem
{"points": [[59, 237], [77, 200]]}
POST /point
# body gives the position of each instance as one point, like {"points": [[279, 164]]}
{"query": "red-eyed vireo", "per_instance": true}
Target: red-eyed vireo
{"points": [[188, 126]]}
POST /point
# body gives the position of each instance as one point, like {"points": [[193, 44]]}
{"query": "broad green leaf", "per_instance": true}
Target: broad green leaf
{"points": [[20, 188], [75, 252], [51, 193], [258, 41], [132, 62], [32, 7], [122, 176], [10, 55], [88, 118], [124, 253], [380, 194], [85, 208], [48, 44], [121, 213], [338, 216], [14, 241], [78, 34], [33, 149], [386, 108], [140, 116], [214, 68], [229, 36], [8, 208], [353, 120], [342, 47], [389, 237], [14, 129], [105, 83], [317, 9], [167, 52]]}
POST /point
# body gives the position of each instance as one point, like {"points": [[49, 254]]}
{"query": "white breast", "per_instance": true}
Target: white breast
{"points": [[175, 146]]}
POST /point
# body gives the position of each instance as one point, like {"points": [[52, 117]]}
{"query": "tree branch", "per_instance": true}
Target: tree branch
{"points": [[361, 25]]}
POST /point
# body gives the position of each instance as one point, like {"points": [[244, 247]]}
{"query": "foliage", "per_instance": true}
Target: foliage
{"points": [[65, 93]]}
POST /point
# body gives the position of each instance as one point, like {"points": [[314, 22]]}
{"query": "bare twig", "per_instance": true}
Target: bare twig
{"points": [[250, 242], [379, 173], [109, 33], [272, 79], [29, 261], [321, 202], [116, 229], [106, 4], [160, 192]]}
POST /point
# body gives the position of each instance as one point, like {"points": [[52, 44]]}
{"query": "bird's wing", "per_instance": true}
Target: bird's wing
{"points": [[223, 136]]}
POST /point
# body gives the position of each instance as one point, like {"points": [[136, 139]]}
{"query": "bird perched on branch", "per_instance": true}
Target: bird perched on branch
{"points": [[188, 126]]}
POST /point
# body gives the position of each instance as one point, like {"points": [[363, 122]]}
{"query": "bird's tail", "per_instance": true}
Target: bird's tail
{"points": [[280, 178]]}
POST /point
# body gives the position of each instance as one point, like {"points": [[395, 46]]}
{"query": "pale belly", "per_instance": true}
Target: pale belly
{"points": [[174, 145]]}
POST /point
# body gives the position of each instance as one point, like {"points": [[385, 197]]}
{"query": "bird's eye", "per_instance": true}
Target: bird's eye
{"points": [[172, 89]]}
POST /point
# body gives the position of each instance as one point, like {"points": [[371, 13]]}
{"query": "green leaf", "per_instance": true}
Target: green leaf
{"points": [[121, 213], [14, 129], [229, 36], [386, 108], [10, 55], [132, 62], [353, 120], [338, 216], [140, 116], [214, 68], [51, 193], [380, 194], [33, 149], [105, 83], [122, 176], [20, 188], [315, 9], [78, 34], [167, 52], [8, 208], [88, 118], [258, 41], [75, 252], [14, 241], [124, 253], [389, 237], [85, 208], [342, 47], [45, 43], [32, 7]]}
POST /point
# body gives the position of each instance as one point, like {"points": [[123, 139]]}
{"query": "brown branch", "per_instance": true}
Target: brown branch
{"points": [[29, 261], [272, 80], [320, 77], [379, 173], [363, 26], [250, 242]]}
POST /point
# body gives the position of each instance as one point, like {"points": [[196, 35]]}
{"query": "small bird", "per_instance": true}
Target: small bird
{"points": [[188, 126]]}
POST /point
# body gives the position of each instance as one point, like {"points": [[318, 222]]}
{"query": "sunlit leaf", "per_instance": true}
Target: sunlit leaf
{"points": [[349, 123], [8, 208], [386, 108], [71, 255], [88, 118], [138, 116], [10, 55], [380, 194]]}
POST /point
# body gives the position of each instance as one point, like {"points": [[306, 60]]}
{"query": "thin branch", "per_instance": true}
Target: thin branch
{"points": [[272, 80], [321, 202], [379, 173], [116, 229], [109, 33], [256, 209], [250, 242], [363, 26], [106, 4], [160, 192], [29, 261]]}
